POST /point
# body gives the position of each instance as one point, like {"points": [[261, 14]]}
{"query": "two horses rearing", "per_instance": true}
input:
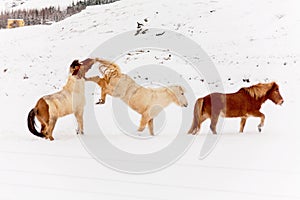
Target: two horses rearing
{"points": [[244, 103]]}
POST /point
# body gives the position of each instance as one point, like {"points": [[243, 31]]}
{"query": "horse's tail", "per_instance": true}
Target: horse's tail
{"points": [[31, 123], [197, 114]]}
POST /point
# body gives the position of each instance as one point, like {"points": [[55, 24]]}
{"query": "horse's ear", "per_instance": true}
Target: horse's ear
{"points": [[181, 88]]}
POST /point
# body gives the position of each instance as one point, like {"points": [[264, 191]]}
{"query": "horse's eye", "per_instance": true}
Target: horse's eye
{"points": [[182, 93]]}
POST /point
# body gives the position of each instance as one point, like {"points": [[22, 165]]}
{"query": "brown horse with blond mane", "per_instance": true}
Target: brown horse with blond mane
{"points": [[244, 103]]}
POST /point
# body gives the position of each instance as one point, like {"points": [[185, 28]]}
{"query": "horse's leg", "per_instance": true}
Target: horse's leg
{"points": [[79, 118], [201, 120], [144, 121], [242, 124], [51, 125], [94, 79], [214, 121], [44, 129], [150, 126], [262, 119], [103, 96]]}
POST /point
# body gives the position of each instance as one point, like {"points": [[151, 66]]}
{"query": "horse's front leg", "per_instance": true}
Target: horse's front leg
{"points": [[79, 118], [262, 119], [103, 96], [242, 124], [93, 79], [150, 126], [104, 90]]}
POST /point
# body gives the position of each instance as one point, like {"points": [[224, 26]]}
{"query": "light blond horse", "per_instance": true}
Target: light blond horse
{"points": [[69, 100], [148, 102]]}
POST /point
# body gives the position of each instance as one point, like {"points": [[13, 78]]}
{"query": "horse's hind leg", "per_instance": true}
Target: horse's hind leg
{"points": [[242, 124], [144, 120], [150, 126], [201, 120], [51, 126], [213, 124]]}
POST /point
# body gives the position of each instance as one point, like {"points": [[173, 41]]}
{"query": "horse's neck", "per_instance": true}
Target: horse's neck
{"points": [[258, 101], [166, 97], [70, 84]]}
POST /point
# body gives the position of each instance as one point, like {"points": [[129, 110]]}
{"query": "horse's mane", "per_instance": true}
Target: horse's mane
{"points": [[110, 68], [259, 90]]}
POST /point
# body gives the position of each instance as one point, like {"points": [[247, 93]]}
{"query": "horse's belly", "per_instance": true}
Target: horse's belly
{"points": [[233, 113], [60, 104]]}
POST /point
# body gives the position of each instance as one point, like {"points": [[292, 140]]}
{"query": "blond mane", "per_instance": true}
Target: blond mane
{"points": [[259, 90], [108, 68]]}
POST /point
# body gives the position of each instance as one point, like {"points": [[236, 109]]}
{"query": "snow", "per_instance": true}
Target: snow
{"points": [[33, 4], [256, 40]]}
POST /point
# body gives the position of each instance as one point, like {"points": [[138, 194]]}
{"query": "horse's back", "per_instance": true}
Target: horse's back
{"points": [[60, 103], [237, 104]]}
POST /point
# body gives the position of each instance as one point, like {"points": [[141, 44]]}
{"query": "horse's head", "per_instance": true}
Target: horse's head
{"points": [[274, 94], [178, 93], [74, 67]]}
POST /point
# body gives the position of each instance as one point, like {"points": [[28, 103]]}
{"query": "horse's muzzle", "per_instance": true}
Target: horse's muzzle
{"points": [[280, 102]]}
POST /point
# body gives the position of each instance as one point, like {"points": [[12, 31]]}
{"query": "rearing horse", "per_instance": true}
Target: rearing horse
{"points": [[244, 103]]}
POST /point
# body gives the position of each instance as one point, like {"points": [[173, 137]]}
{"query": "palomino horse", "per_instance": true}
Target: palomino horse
{"points": [[69, 100], [148, 102], [244, 103]]}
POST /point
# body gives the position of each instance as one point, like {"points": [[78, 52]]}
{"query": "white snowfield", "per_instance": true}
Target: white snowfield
{"points": [[256, 40]]}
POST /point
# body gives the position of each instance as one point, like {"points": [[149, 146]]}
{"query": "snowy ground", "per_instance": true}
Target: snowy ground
{"points": [[256, 40]]}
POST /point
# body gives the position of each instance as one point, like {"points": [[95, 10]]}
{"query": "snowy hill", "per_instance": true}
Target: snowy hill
{"points": [[256, 40], [33, 4]]}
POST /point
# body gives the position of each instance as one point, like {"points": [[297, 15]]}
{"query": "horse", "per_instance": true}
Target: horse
{"points": [[108, 70], [148, 102], [70, 99], [244, 103]]}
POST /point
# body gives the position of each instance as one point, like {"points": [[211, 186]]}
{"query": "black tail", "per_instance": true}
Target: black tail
{"points": [[197, 114], [31, 124]]}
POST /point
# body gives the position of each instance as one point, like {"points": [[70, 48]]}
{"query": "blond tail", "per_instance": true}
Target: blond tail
{"points": [[197, 114]]}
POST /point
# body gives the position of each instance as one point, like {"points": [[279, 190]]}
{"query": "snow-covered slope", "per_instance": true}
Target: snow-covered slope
{"points": [[256, 40], [33, 4]]}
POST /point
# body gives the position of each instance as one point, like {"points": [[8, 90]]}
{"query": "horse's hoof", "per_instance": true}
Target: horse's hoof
{"points": [[79, 132], [141, 129], [101, 101], [259, 129]]}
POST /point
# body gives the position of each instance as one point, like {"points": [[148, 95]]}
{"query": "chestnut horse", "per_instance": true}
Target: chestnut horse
{"points": [[69, 100], [244, 103]]}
